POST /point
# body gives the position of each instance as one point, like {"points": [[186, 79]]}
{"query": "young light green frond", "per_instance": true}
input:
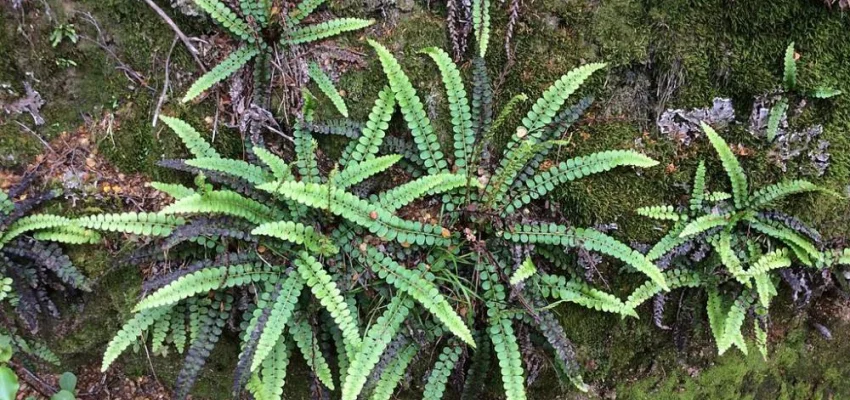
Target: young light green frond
{"points": [[128, 334], [730, 165], [802, 247], [698, 192], [823, 92], [761, 339], [68, 234], [580, 293], [525, 271], [506, 112], [789, 74], [280, 169], [543, 182], [268, 383], [372, 135], [159, 332], [259, 10], [375, 342], [776, 113], [174, 190], [461, 114], [377, 220], [325, 29], [355, 173], [298, 233], [328, 294], [591, 240], [394, 372], [220, 12], [774, 260], [669, 242], [506, 346], [303, 10], [220, 72], [281, 313], [225, 202], [716, 197], [403, 195], [238, 168], [765, 288], [778, 191], [435, 385], [716, 313], [481, 24], [424, 292], [190, 137], [704, 223], [413, 110], [732, 325], [664, 212], [206, 280], [723, 246], [547, 106], [307, 343], [146, 224], [676, 278], [327, 87], [33, 223]]}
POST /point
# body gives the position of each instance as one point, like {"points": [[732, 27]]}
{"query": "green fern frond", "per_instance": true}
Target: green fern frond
{"points": [[676, 278], [698, 192], [543, 182], [730, 165], [716, 197], [128, 334], [325, 29], [6, 204], [303, 10], [158, 334], [281, 313], [403, 195], [774, 260], [825, 92], [765, 288], [778, 191], [394, 372], [732, 325], [506, 346], [663, 212], [225, 202], [220, 12], [789, 74], [327, 87], [146, 224], [259, 10], [481, 24], [775, 117], [190, 137], [525, 271], [298, 233], [234, 61], [305, 340], [174, 190], [669, 242], [802, 247], [461, 115], [358, 172], [33, 223], [375, 342], [716, 313], [761, 339], [506, 112], [372, 135], [280, 169], [268, 383], [580, 293], [414, 112], [704, 223], [424, 292], [844, 258], [238, 168], [723, 246], [435, 385], [68, 234]]}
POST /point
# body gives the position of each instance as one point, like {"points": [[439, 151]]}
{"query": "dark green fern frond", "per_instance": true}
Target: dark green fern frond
{"points": [[199, 147], [220, 12], [303, 10], [220, 72]]}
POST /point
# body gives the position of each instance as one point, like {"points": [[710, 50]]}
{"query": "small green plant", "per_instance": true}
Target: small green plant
{"points": [[65, 63], [751, 242], [63, 31], [9, 385], [259, 29]]}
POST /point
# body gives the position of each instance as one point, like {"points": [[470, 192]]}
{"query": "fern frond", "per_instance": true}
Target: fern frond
{"points": [[730, 165], [234, 61], [128, 334], [525, 271], [298, 233], [761, 339], [698, 192], [789, 74], [361, 212], [280, 314], [669, 242], [394, 372], [774, 260], [723, 246], [704, 223], [327, 87], [403, 195], [716, 313], [33, 223], [259, 10], [481, 24], [146, 224], [413, 110], [424, 292], [825, 92], [303, 335], [576, 168], [190, 137], [435, 385], [355, 173], [802, 247], [765, 288], [461, 115], [280, 169], [174, 190], [676, 278], [778, 191], [506, 112], [375, 342], [325, 29], [372, 135], [775, 117], [227, 203], [68, 234], [506, 346], [580, 293], [732, 325], [268, 383], [664, 212], [303, 10], [716, 197], [220, 12], [237, 168]]}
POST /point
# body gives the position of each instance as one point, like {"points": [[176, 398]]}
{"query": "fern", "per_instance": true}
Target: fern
{"points": [[481, 23], [732, 324], [403, 195], [698, 191], [280, 169], [769, 194], [730, 260], [789, 75], [435, 385], [220, 72], [776, 112], [805, 251], [327, 87], [580, 293], [325, 29], [704, 223], [68, 234], [298, 233], [238, 168], [220, 12], [174, 190], [676, 278], [360, 171], [414, 112], [301, 11], [664, 212], [147, 224], [506, 112], [507, 351], [227, 203], [303, 334], [190, 137], [525, 271], [731, 166], [33, 223], [280, 314], [268, 383], [369, 142], [128, 334], [394, 372]]}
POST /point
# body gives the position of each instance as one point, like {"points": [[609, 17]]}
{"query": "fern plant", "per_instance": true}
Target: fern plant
{"points": [[259, 27], [733, 246], [32, 262]]}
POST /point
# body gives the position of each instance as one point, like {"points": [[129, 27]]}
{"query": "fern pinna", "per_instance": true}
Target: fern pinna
{"points": [[31, 258], [733, 245], [259, 27]]}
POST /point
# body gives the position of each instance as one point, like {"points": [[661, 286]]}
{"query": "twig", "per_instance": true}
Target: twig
{"points": [[185, 39], [164, 84], [37, 136]]}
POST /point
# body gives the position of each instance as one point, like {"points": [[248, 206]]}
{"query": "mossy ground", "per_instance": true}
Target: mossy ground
{"points": [[715, 48]]}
